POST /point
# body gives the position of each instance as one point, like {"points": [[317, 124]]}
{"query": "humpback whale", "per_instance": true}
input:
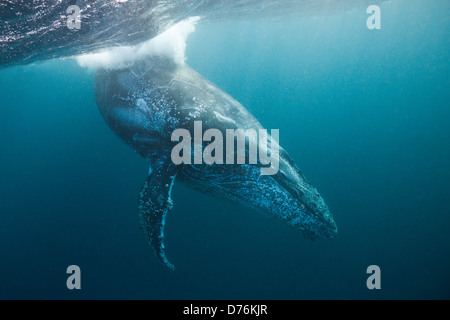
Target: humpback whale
{"points": [[144, 103], [147, 98]]}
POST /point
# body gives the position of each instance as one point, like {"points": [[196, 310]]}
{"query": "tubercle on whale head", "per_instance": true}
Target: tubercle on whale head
{"points": [[305, 208], [308, 198]]}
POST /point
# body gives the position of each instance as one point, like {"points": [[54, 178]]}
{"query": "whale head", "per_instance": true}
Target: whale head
{"points": [[311, 213]]}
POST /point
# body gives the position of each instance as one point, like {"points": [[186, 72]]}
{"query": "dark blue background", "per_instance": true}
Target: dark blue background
{"points": [[365, 114]]}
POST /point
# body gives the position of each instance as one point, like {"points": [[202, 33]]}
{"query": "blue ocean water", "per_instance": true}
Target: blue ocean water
{"points": [[365, 114]]}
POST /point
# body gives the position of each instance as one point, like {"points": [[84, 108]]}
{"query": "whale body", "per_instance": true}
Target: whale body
{"points": [[146, 102]]}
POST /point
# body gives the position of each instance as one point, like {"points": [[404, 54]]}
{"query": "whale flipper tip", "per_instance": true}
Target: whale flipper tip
{"points": [[154, 204]]}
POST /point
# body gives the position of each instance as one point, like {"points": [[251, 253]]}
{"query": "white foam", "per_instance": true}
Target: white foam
{"points": [[171, 44]]}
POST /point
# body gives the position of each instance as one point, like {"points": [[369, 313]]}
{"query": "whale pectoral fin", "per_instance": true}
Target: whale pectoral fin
{"points": [[154, 203]]}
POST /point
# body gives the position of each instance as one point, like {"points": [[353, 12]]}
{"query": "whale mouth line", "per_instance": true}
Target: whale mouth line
{"points": [[308, 210], [300, 197], [329, 224]]}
